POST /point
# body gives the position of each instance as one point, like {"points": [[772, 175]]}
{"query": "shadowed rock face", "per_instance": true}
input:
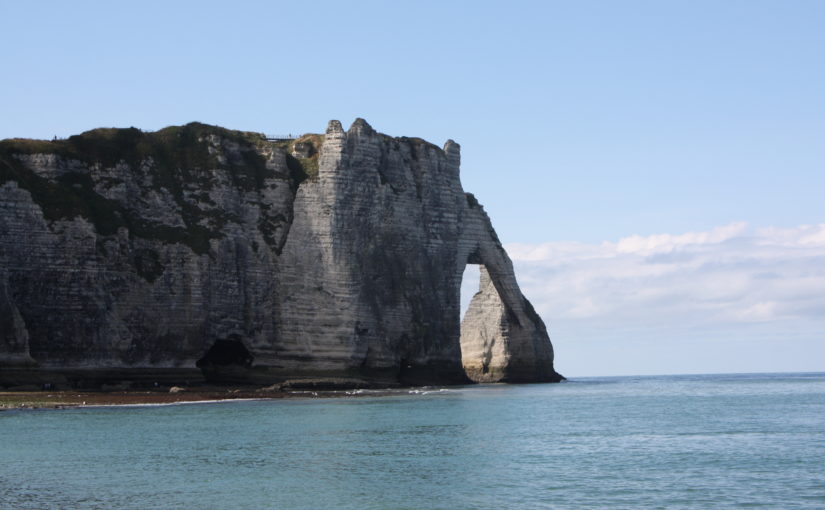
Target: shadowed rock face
{"points": [[136, 255]]}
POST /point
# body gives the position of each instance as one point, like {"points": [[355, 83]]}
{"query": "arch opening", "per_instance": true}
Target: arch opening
{"points": [[469, 286], [483, 326]]}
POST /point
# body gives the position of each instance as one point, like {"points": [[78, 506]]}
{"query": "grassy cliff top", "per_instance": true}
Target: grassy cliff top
{"points": [[110, 145], [177, 156]]}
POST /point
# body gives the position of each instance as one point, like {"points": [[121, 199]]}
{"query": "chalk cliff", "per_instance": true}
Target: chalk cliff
{"points": [[199, 251]]}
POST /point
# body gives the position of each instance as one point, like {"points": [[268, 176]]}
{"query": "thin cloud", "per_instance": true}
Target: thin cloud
{"points": [[726, 276]]}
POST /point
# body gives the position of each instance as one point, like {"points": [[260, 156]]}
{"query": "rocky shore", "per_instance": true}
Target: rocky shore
{"points": [[67, 399], [30, 398]]}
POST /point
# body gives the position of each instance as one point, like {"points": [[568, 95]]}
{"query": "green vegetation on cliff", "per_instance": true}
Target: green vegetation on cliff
{"points": [[179, 153], [176, 158], [302, 168]]}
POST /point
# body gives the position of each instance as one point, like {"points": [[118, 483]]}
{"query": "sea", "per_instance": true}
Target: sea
{"points": [[663, 442]]}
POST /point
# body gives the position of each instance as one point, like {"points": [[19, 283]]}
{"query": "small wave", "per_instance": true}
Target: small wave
{"points": [[425, 391], [165, 404]]}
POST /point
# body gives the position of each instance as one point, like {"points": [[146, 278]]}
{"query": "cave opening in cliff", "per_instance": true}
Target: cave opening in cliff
{"points": [[225, 358], [225, 353]]}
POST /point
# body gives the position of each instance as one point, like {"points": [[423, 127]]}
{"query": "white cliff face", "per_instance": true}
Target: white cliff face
{"points": [[222, 252]]}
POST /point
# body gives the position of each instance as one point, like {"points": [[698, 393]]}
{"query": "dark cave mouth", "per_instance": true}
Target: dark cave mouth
{"points": [[225, 353]]}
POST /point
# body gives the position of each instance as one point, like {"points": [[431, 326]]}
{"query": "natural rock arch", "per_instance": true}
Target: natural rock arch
{"points": [[502, 338], [341, 262]]}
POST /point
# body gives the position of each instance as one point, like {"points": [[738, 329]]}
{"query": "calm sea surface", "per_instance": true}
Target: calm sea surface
{"points": [[709, 442]]}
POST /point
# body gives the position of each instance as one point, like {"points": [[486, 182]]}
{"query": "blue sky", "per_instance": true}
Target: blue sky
{"points": [[582, 124]]}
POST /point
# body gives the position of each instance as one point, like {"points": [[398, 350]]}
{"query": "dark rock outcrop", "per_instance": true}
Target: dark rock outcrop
{"points": [[197, 250]]}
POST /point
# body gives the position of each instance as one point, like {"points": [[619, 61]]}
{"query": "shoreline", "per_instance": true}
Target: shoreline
{"points": [[44, 399], [66, 399]]}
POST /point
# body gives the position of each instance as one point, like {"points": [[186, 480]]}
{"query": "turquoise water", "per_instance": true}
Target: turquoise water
{"points": [[709, 442]]}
